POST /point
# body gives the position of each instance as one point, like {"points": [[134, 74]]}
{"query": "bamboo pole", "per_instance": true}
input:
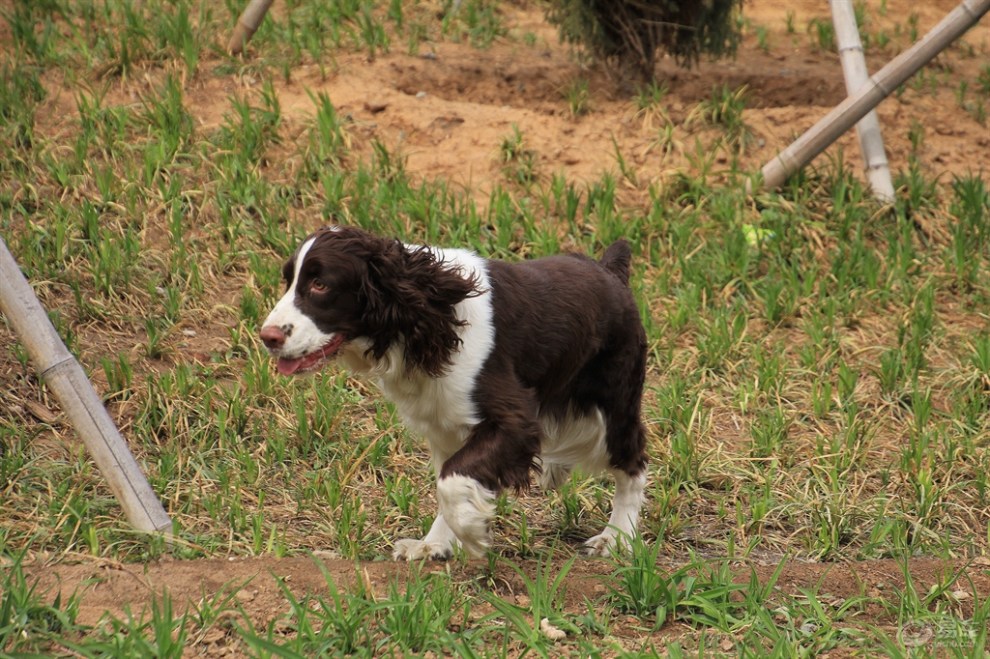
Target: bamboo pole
{"points": [[247, 25], [67, 380], [817, 138], [856, 75]]}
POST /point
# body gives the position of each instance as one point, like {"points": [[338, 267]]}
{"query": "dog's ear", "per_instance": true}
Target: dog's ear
{"points": [[411, 297]]}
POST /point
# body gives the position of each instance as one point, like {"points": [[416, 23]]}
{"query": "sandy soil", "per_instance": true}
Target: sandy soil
{"points": [[448, 108]]}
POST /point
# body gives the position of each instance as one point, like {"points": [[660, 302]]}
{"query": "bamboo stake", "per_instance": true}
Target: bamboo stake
{"points": [[817, 138], [67, 380], [856, 75], [247, 25]]}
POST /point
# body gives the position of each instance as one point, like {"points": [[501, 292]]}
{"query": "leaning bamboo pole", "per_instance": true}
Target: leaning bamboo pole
{"points": [[854, 69], [247, 25], [817, 138], [65, 377]]}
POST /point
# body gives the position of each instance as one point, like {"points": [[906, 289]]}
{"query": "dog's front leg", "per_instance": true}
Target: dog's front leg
{"points": [[498, 454], [438, 545], [468, 508]]}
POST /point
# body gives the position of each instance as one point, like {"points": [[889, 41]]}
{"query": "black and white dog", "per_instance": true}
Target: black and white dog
{"points": [[505, 369]]}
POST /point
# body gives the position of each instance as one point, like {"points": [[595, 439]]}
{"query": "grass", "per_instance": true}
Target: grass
{"points": [[818, 385], [27, 621]]}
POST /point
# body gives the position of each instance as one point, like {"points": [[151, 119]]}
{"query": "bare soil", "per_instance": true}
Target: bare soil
{"points": [[449, 107], [253, 586]]}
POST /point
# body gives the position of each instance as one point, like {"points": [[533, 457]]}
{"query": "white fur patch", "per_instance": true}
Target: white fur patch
{"points": [[574, 441], [467, 507]]}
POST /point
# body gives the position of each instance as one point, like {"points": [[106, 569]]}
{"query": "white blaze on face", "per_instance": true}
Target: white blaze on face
{"points": [[302, 336]]}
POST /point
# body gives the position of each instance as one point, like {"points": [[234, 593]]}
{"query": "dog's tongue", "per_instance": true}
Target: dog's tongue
{"points": [[289, 366]]}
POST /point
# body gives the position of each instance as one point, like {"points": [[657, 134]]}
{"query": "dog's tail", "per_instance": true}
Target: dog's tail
{"points": [[616, 259]]}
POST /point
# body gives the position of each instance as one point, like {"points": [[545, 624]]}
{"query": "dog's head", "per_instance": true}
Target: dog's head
{"points": [[345, 286]]}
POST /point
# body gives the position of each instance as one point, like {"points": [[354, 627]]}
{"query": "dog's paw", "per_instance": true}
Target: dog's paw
{"points": [[600, 545], [606, 543], [417, 550]]}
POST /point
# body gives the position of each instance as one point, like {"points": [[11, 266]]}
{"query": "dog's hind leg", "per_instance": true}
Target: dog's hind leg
{"points": [[618, 386], [630, 493]]}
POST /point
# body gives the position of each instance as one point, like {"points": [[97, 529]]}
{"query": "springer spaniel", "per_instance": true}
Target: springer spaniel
{"points": [[504, 368]]}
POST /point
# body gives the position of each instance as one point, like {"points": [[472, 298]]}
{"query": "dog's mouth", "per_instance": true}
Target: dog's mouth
{"points": [[313, 360]]}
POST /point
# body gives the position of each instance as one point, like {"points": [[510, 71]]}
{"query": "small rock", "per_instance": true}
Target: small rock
{"points": [[420, 94], [553, 633], [213, 636]]}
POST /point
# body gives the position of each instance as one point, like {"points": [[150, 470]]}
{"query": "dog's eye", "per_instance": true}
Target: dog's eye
{"points": [[317, 286]]}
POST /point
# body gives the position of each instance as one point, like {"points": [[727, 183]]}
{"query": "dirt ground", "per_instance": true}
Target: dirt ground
{"points": [[253, 586], [449, 107]]}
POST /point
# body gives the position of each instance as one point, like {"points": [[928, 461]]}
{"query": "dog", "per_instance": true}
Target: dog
{"points": [[506, 369]]}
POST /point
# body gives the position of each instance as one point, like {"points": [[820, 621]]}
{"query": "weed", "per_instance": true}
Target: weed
{"points": [[417, 617], [163, 634], [651, 95], [544, 595], [578, 97], [518, 161], [822, 34], [478, 20], [724, 108], [339, 622], [763, 38], [696, 593], [27, 622]]}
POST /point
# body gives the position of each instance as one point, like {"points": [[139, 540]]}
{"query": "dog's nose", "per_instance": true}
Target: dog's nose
{"points": [[273, 337]]}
